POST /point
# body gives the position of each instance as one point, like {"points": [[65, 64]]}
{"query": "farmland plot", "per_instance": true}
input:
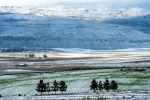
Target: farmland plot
{"points": [[78, 81]]}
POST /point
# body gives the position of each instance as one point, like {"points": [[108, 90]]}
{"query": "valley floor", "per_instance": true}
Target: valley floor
{"points": [[130, 69], [71, 61]]}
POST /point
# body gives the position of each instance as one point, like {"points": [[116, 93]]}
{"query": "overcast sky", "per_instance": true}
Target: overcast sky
{"points": [[141, 5]]}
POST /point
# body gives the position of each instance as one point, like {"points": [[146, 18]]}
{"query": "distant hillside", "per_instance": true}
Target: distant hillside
{"points": [[43, 27]]}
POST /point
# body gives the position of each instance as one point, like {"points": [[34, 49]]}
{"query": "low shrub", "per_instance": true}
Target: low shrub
{"points": [[123, 97]]}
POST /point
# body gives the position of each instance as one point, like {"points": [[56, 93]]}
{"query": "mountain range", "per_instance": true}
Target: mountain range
{"points": [[46, 28]]}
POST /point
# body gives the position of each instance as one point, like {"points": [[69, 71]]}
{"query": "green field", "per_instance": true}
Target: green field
{"points": [[78, 81]]}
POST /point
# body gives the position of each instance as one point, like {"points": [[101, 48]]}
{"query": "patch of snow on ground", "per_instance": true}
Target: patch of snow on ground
{"points": [[7, 77], [140, 95]]}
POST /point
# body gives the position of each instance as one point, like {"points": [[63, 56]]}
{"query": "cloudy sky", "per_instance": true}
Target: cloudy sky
{"points": [[141, 5]]}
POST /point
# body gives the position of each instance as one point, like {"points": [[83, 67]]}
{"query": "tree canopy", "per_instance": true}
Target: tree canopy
{"points": [[48, 87], [107, 85], [41, 87], [62, 86], [94, 85], [100, 85], [55, 86], [113, 85]]}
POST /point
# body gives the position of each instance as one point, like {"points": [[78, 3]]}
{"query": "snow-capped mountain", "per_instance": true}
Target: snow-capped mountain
{"points": [[45, 27], [14, 9], [80, 13]]}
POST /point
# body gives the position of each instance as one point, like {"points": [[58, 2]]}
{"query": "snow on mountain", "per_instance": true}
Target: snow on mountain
{"points": [[45, 27], [14, 9], [80, 13]]}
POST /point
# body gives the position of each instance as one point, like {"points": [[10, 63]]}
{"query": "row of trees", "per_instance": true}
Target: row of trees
{"points": [[106, 85], [32, 56], [45, 87]]}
